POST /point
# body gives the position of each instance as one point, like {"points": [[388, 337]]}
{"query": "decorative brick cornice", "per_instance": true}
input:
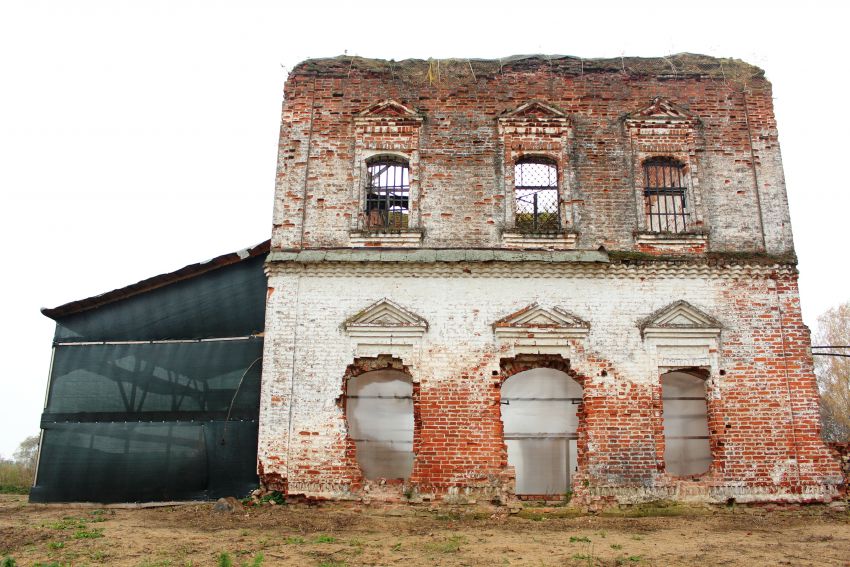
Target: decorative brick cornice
{"points": [[528, 268]]}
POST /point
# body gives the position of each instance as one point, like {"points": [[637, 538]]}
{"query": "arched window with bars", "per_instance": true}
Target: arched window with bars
{"points": [[536, 199], [665, 195], [387, 193]]}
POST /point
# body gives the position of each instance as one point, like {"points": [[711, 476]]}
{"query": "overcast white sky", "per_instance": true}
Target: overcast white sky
{"points": [[137, 137]]}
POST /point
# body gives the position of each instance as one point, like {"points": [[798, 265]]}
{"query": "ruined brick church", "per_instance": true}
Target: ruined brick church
{"points": [[535, 276], [539, 277]]}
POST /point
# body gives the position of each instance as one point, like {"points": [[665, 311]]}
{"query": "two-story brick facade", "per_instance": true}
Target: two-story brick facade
{"points": [[535, 275]]}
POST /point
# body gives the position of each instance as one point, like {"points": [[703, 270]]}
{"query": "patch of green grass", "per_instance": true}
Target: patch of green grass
{"points": [[582, 557], [67, 523], [325, 539], [579, 539], [294, 540], [8, 562], [88, 534], [637, 537], [616, 546], [659, 508], [396, 546], [56, 544], [450, 545], [536, 516], [273, 496], [256, 562], [628, 560], [224, 560]]}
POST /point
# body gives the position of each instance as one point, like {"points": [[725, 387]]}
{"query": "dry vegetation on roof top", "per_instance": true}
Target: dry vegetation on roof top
{"points": [[439, 70]]}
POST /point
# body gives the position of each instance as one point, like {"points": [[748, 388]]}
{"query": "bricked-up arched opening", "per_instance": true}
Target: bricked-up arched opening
{"points": [[540, 404], [379, 410], [687, 450]]}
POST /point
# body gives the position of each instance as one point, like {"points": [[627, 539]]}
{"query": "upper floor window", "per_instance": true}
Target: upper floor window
{"points": [[536, 195], [665, 195], [387, 193]]}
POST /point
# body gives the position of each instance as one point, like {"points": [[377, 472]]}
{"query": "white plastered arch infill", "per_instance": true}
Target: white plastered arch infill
{"points": [[386, 327], [539, 330], [540, 425], [379, 413]]}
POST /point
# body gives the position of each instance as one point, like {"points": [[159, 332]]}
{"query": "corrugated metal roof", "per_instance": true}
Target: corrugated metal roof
{"points": [[184, 273]]}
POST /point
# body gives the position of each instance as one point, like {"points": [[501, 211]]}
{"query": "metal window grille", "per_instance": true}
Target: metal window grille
{"points": [[387, 194], [536, 196], [664, 195]]}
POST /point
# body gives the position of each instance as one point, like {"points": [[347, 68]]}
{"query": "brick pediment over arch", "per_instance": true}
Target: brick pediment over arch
{"points": [[386, 314], [534, 321], [680, 318], [389, 109], [662, 110], [534, 109]]}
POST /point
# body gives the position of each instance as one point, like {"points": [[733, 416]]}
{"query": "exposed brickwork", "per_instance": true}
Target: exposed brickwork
{"points": [[843, 451], [459, 145], [461, 134]]}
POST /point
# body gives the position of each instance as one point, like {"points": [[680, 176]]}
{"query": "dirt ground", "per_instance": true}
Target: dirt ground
{"points": [[337, 535]]}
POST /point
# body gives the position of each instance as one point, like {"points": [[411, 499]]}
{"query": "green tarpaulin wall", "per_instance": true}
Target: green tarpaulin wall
{"points": [[155, 396]]}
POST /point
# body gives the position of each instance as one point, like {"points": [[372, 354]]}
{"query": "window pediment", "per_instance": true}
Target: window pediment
{"points": [[680, 319], [661, 111], [386, 318], [537, 320], [388, 110], [534, 111]]}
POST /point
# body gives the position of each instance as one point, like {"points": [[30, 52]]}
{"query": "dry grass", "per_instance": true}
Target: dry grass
{"points": [[15, 478], [351, 535]]}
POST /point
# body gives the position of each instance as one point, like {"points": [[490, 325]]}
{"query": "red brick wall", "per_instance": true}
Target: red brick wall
{"points": [[462, 155]]}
